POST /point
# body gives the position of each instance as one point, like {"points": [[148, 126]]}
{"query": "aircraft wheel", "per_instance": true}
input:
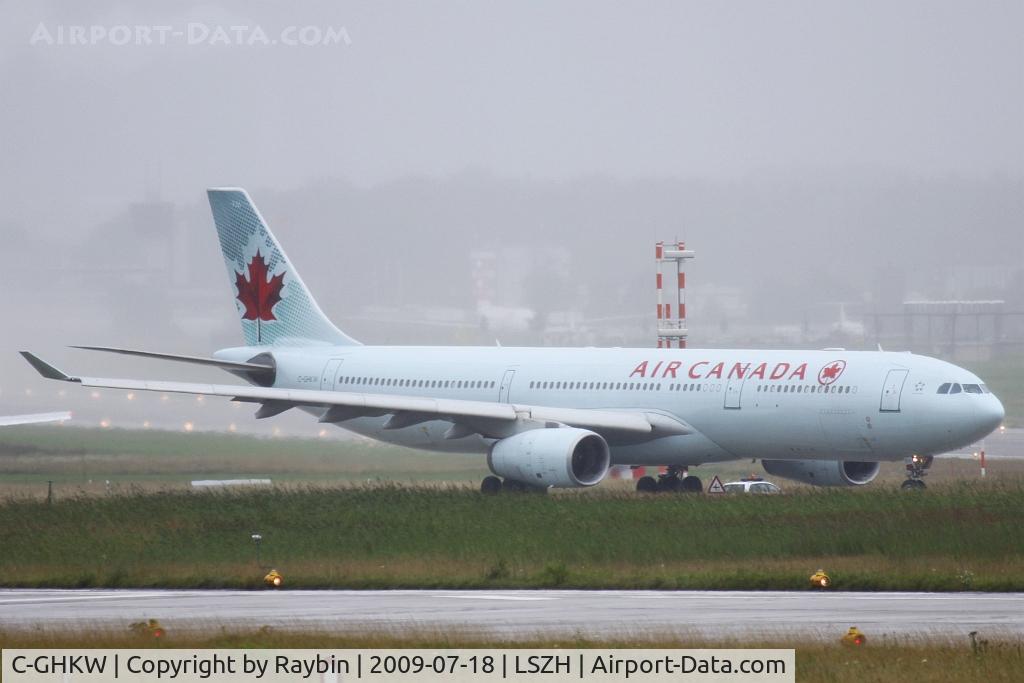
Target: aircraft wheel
{"points": [[490, 486], [513, 486], [669, 483], [913, 485], [646, 485], [691, 484]]}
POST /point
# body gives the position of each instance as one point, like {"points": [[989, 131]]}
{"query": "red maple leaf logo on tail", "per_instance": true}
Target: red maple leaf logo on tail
{"points": [[259, 294]]}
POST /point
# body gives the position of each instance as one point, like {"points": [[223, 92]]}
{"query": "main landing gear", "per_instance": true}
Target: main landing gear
{"points": [[674, 479], [492, 485], [917, 468]]}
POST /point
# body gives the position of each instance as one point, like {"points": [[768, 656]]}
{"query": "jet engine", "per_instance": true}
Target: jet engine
{"points": [[564, 457], [824, 472]]}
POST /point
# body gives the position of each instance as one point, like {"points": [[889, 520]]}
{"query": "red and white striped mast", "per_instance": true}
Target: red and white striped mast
{"points": [[669, 329]]}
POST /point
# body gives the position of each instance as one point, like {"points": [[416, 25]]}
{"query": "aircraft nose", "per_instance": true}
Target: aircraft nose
{"points": [[990, 414]]}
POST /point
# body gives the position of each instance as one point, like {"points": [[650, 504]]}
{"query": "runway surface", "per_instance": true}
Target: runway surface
{"points": [[526, 613], [1000, 444]]}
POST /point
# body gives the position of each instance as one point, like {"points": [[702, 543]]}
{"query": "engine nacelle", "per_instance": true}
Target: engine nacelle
{"points": [[824, 472], [564, 457]]}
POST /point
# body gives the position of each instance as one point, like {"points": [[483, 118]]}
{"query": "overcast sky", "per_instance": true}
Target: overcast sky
{"points": [[543, 90]]}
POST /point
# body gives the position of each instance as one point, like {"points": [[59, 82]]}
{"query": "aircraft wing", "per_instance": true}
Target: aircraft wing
{"points": [[490, 419], [35, 418], [198, 360]]}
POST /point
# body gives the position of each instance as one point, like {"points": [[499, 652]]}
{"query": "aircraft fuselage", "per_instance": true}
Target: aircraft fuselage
{"points": [[765, 404]]}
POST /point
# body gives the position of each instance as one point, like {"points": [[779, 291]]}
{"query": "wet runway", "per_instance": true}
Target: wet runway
{"points": [[1001, 444], [526, 613]]}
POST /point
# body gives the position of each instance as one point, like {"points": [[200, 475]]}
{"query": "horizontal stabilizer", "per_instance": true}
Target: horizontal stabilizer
{"points": [[35, 418]]}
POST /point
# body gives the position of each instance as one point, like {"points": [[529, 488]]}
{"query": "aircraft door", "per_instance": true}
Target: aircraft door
{"points": [[330, 372], [892, 389], [506, 386], [733, 393], [734, 388]]}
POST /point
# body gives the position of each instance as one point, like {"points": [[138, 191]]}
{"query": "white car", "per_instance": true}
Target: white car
{"points": [[751, 486]]}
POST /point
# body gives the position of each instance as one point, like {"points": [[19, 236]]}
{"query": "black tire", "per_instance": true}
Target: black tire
{"points": [[490, 486], [691, 484], [913, 485], [646, 485], [669, 483]]}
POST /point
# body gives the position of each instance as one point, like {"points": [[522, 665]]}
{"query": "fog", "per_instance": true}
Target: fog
{"points": [[473, 173]]}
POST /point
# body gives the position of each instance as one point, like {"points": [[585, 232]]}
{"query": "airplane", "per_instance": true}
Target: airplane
{"points": [[562, 417], [33, 418]]}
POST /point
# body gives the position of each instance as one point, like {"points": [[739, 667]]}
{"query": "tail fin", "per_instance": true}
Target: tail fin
{"points": [[274, 305]]}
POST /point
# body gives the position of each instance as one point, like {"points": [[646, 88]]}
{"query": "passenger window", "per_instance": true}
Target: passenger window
{"points": [[955, 389], [972, 388]]}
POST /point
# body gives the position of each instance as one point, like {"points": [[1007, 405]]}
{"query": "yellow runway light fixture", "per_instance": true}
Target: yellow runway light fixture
{"points": [[854, 637], [820, 579], [273, 579], [148, 629]]}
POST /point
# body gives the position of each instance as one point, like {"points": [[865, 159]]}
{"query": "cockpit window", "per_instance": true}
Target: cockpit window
{"points": [[943, 388], [985, 389], [955, 389], [972, 388]]}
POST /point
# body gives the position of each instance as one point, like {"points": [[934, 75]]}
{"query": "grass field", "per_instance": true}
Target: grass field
{"points": [[353, 529], [952, 537], [916, 660], [80, 460], [84, 459]]}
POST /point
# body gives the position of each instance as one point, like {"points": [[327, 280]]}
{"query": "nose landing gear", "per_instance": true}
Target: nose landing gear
{"points": [[917, 468]]}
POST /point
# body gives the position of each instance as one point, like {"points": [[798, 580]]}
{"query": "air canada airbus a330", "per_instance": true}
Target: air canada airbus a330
{"points": [[561, 417]]}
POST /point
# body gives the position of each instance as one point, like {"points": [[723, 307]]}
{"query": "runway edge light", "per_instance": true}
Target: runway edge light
{"points": [[854, 637], [148, 629], [273, 579], [820, 579]]}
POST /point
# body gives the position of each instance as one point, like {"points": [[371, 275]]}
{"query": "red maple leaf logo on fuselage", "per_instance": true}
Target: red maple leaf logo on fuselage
{"points": [[830, 373], [259, 294]]}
